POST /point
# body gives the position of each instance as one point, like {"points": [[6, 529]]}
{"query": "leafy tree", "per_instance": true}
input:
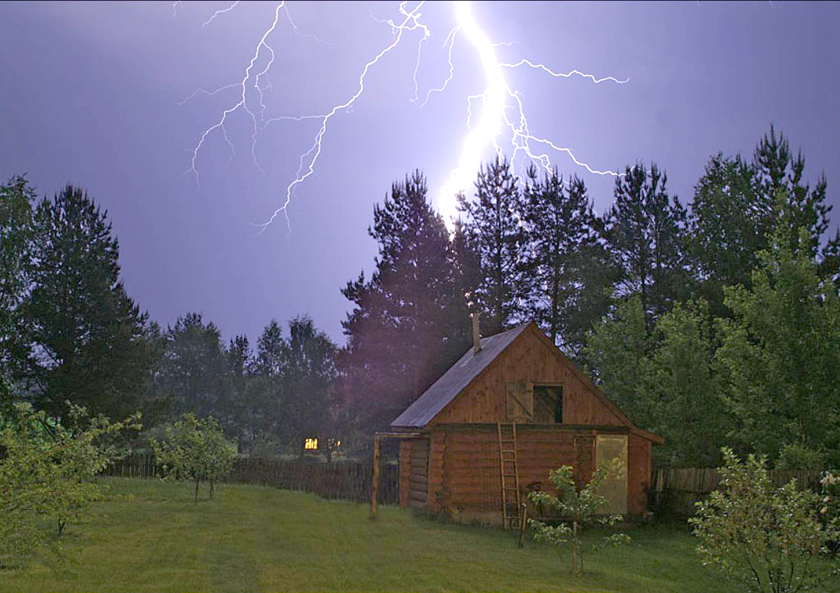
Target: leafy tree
{"points": [[494, 231], [400, 336], [780, 354], [87, 337], [47, 470], [16, 234], [561, 234], [762, 537], [618, 348], [580, 505], [644, 231], [683, 388], [195, 449]]}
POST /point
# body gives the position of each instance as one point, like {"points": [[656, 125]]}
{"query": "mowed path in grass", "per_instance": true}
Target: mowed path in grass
{"points": [[149, 536]]}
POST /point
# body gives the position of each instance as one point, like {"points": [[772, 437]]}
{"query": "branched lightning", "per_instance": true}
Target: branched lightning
{"points": [[502, 125]]}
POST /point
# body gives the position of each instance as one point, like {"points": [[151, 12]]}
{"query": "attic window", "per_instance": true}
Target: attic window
{"points": [[548, 403]]}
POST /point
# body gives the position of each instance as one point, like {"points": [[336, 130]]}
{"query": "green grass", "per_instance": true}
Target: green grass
{"points": [[252, 538]]}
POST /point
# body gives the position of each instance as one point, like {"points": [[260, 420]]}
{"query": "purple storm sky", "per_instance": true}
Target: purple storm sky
{"points": [[90, 93]]}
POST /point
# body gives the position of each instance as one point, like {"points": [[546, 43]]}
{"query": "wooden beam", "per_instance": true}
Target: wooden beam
{"points": [[374, 487]]}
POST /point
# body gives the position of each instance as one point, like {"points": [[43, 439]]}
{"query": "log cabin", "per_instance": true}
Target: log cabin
{"points": [[511, 409]]}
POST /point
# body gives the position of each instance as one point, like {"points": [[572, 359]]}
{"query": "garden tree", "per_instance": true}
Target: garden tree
{"points": [[195, 449], [644, 232], [561, 235], [780, 353], [618, 349], [683, 388], [493, 228], [87, 337], [16, 233], [765, 538], [580, 505], [729, 222], [193, 365], [400, 333], [48, 471]]}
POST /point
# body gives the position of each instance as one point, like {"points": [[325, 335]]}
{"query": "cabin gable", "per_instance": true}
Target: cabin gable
{"points": [[518, 386]]}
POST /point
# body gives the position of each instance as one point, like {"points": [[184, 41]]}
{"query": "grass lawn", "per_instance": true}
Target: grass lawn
{"points": [[253, 538]]}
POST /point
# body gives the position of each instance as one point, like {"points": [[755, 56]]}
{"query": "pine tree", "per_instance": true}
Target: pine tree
{"points": [[644, 231], [400, 337], [88, 342], [560, 230], [494, 231]]}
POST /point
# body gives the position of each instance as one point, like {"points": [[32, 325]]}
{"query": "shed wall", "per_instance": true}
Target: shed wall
{"points": [[464, 477]]}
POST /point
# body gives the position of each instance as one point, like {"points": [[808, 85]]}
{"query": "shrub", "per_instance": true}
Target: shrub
{"points": [[763, 537]]}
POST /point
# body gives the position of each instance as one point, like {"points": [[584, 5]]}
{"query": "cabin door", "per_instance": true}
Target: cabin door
{"points": [[612, 449], [418, 480]]}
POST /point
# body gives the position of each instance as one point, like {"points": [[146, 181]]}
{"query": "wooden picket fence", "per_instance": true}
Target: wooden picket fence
{"points": [[675, 491], [341, 480]]}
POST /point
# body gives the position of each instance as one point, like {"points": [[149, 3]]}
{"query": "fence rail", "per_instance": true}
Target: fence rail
{"points": [[341, 480], [676, 490]]}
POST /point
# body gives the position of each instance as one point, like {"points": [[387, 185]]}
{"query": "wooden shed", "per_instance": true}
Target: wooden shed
{"points": [[510, 410]]}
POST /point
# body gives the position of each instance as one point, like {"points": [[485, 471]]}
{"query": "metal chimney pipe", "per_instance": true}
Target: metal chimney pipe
{"points": [[476, 334]]}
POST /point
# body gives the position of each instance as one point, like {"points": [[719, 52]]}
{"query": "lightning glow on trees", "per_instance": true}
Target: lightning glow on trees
{"points": [[502, 125]]}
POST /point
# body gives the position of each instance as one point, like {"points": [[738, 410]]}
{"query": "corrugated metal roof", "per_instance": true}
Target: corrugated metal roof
{"points": [[455, 380]]}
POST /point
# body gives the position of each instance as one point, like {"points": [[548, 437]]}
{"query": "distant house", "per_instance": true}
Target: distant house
{"points": [[511, 409]]}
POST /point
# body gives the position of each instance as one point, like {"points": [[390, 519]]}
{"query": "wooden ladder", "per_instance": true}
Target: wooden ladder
{"points": [[509, 472]]}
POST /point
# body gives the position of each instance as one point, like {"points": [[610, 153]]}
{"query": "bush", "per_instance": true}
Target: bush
{"points": [[763, 537], [47, 470]]}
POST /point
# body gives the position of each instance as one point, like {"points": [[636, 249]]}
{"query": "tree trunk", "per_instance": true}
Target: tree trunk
{"points": [[197, 482], [211, 488]]}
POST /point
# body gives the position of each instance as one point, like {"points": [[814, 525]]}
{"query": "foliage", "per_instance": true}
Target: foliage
{"points": [[401, 333], [580, 505], [682, 388], [87, 342], [47, 470], [195, 449], [763, 537], [780, 354], [644, 230], [193, 365], [566, 289], [618, 348], [16, 232], [494, 232]]}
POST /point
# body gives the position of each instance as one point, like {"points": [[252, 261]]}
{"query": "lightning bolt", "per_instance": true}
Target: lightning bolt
{"points": [[502, 124]]}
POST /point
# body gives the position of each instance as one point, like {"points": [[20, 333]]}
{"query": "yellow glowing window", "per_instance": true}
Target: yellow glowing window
{"points": [[310, 444]]}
